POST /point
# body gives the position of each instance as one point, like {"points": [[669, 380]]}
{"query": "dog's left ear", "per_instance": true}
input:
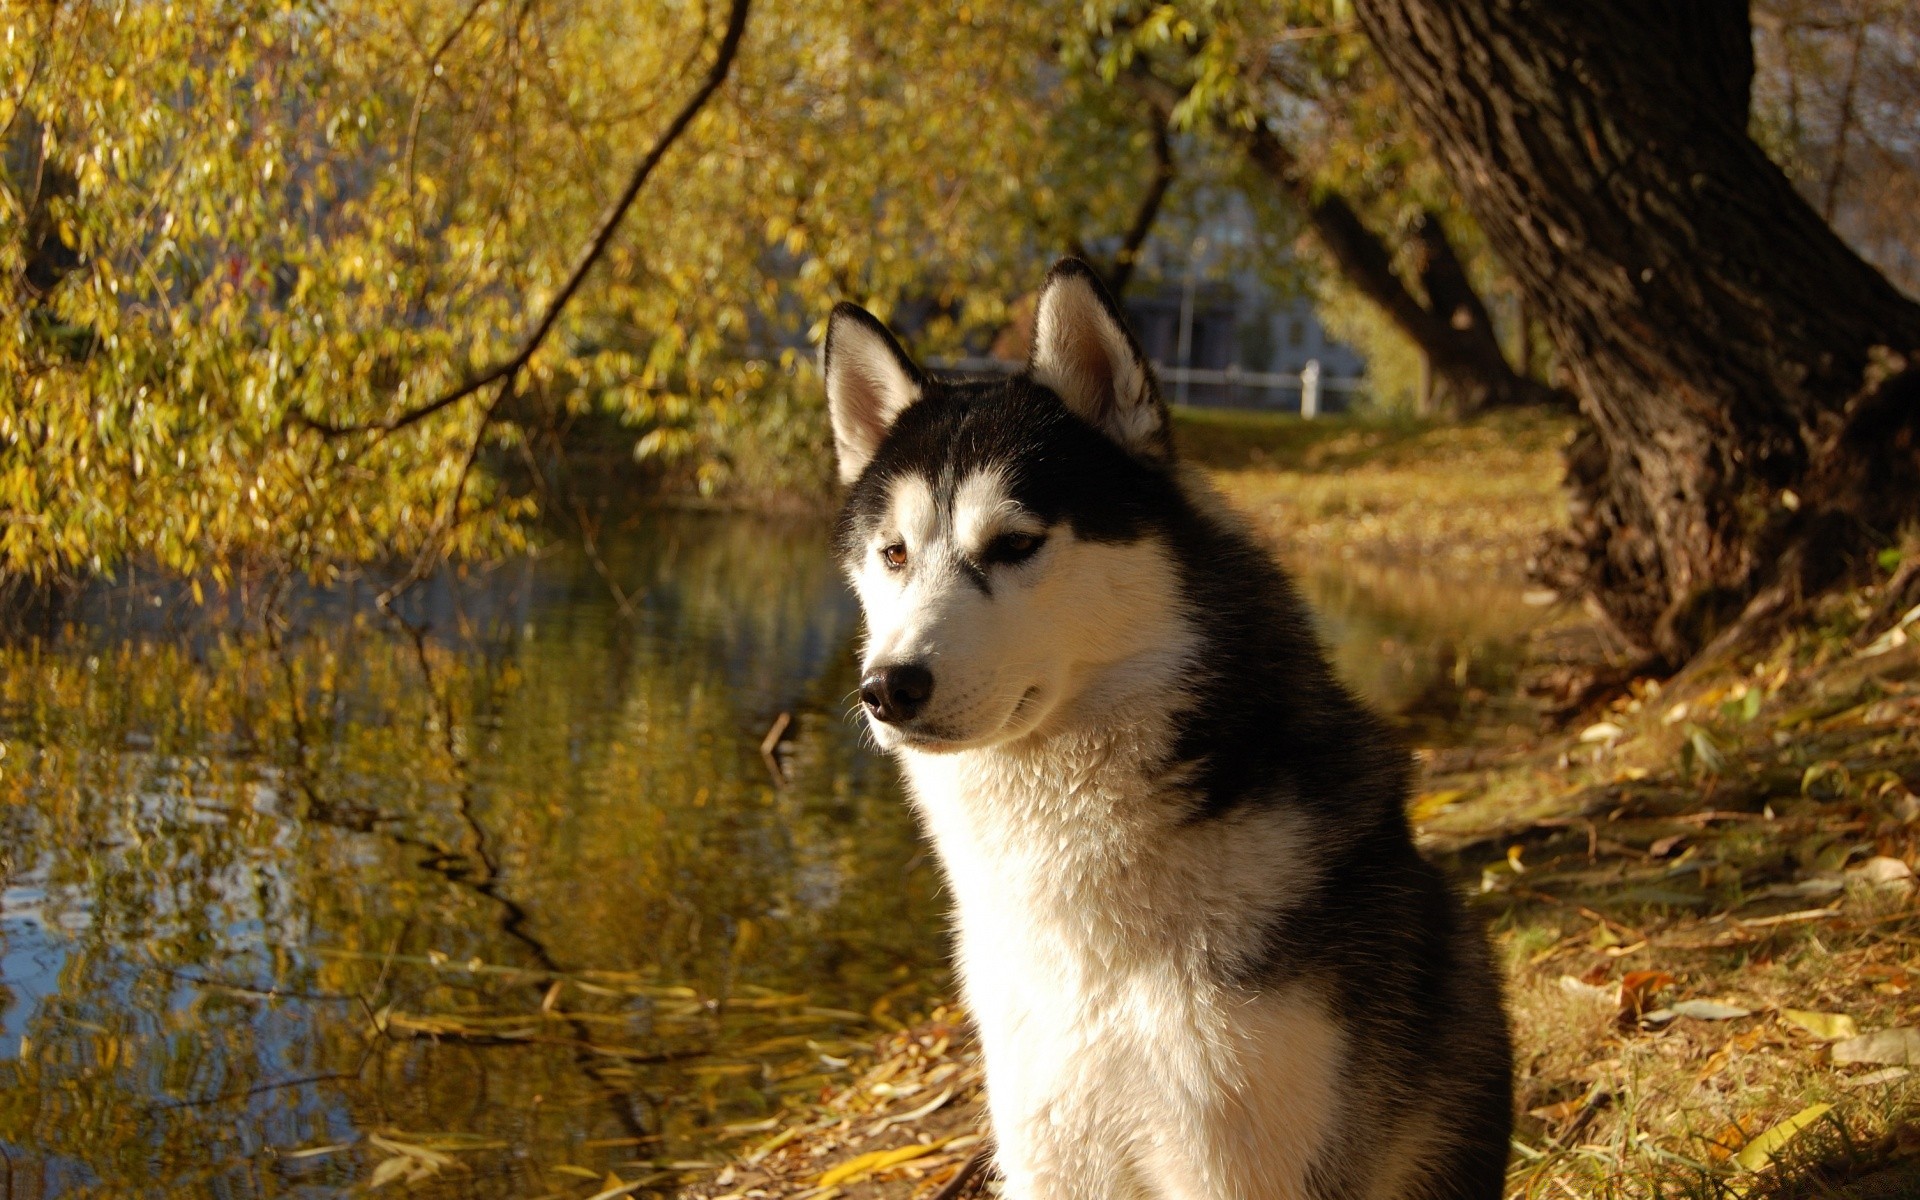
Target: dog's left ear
{"points": [[870, 380], [1083, 351]]}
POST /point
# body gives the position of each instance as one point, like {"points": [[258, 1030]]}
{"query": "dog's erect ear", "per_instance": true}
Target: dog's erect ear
{"points": [[1082, 350], [870, 380]]}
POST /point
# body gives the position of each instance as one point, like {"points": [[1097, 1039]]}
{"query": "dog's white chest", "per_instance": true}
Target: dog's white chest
{"points": [[1093, 932]]}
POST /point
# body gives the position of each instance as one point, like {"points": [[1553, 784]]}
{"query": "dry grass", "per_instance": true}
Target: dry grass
{"points": [[1743, 837], [901, 1122], [1469, 497]]}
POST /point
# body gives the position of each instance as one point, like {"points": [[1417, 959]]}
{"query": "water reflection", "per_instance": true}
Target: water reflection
{"points": [[496, 909], [526, 878], [1438, 649]]}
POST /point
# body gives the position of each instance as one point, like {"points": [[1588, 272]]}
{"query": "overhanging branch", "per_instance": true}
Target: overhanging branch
{"points": [[507, 371]]}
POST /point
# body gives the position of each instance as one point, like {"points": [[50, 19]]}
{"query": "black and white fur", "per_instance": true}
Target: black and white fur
{"points": [[1205, 959]]}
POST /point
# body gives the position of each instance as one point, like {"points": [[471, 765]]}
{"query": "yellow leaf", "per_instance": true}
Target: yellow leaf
{"points": [[1828, 1027], [1761, 1150], [850, 1168], [1429, 805], [876, 1160], [390, 1170]]}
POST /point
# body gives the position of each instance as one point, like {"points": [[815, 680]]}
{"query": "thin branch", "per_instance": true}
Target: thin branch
{"points": [[969, 1170], [263, 1088], [602, 237], [419, 96], [1164, 169], [449, 516], [1357, 251], [1838, 167]]}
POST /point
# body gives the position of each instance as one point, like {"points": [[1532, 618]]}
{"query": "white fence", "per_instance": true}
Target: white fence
{"points": [[1309, 385]]}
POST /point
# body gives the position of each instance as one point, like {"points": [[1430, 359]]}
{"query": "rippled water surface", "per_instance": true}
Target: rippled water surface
{"points": [[497, 906]]}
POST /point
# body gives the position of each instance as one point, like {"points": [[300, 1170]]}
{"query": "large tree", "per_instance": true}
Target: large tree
{"points": [[1723, 340]]}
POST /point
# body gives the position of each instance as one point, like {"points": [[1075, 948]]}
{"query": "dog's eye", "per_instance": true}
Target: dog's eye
{"points": [[1012, 547], [896, 555]]}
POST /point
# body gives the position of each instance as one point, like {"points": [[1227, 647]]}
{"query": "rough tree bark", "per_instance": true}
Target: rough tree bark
{"points": [[1451, 326], [1719, 334]]}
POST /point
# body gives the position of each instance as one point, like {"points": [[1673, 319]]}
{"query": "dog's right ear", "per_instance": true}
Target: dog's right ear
{"points": [[870, 380], [1084, 352]]}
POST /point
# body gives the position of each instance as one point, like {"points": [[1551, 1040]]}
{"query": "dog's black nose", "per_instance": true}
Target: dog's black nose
{"points": [[897, 693]]}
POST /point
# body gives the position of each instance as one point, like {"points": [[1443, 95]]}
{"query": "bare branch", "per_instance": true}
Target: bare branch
{"points": [[427, 78]]}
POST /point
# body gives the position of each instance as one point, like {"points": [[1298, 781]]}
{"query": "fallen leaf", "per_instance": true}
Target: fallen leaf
{"points": [[1575, 986], [1428, 805], [410, 1161], [1761, 1150], [1887, 1047], [1739, 1042], [1601, 731], [1884, 874], [1709, 1010], [1725, 1144], [771, 1144], [1637, 988], [613, 1187], [909, 1117], [1828, 1027], [1557, 1113], [874, 1160], [1874, 1078]]}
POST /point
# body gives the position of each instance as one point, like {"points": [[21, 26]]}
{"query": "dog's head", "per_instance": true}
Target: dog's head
{"points": [[1006, 538]]}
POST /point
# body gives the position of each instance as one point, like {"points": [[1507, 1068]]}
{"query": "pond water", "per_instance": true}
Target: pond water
{"points": [[501, 904]]}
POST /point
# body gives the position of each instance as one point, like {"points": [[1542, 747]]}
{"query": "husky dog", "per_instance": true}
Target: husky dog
{"points": [[1205, 959]]}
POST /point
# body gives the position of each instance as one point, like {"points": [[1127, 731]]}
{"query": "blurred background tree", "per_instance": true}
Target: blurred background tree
{"points": [[249, 246]]}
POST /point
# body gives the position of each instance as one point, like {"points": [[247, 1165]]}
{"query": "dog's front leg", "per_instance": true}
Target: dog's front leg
{"points": [[1059, 1150]]}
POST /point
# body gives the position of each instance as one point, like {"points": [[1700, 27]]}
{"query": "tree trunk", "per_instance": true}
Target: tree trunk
{"points": [[1451, 327], [1717, 331]]}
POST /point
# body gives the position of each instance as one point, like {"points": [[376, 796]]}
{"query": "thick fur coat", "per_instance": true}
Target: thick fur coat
{"points": [[1205, 958]]}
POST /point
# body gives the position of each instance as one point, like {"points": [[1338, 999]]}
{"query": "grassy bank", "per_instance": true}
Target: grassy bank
{"points": [[1702, 894], [1451, 497]]}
